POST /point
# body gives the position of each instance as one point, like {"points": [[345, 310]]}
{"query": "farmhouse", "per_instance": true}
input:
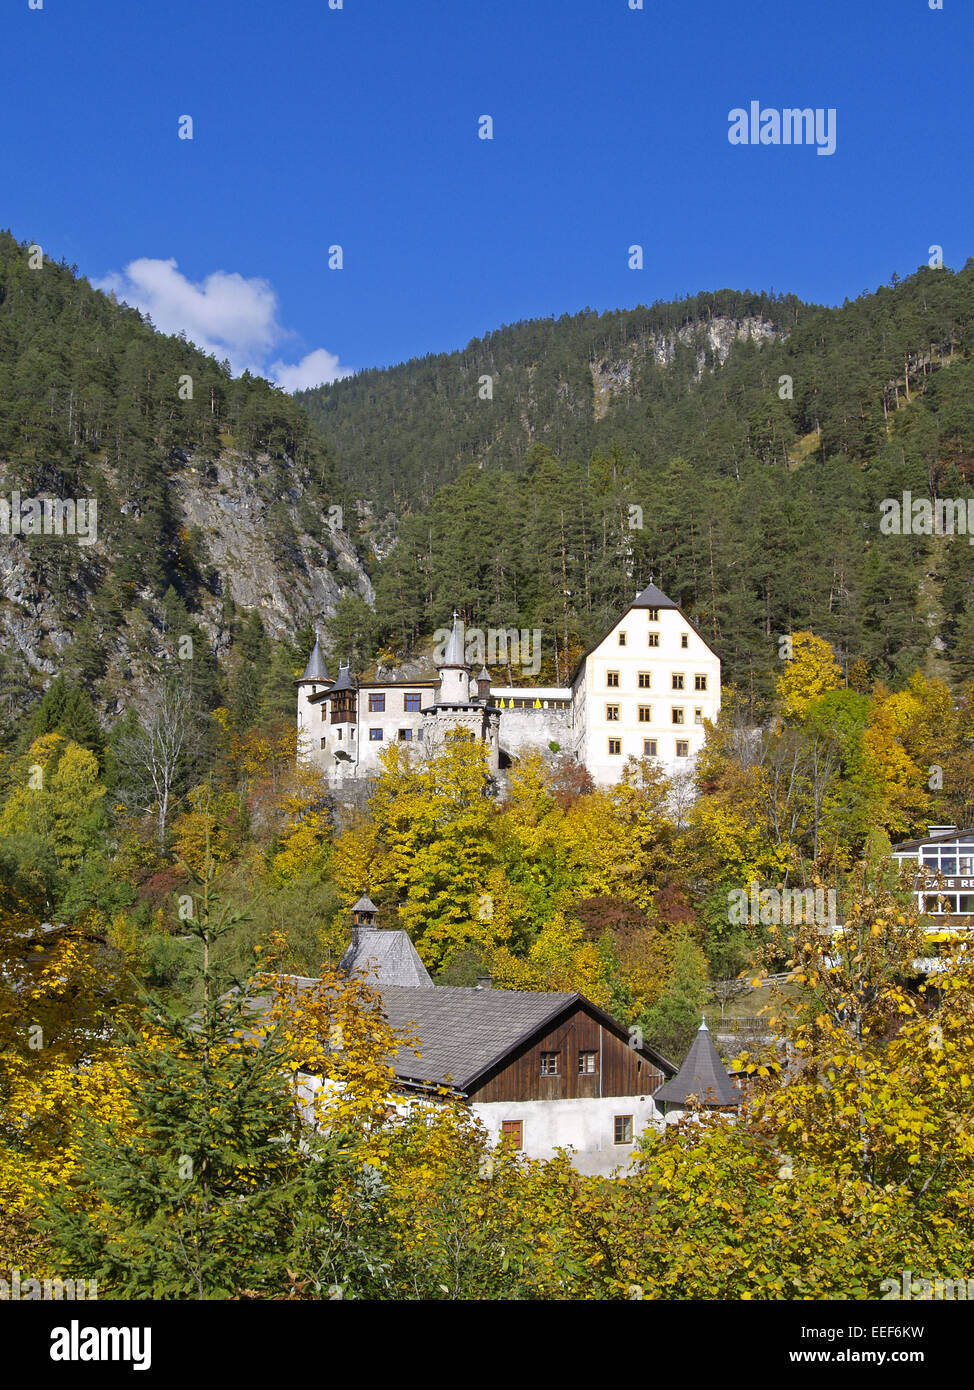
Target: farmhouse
{"points": [[541, 1070]]}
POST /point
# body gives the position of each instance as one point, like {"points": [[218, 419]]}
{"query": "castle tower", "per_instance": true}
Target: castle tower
{"points": [[453, 669], [311, 714]]}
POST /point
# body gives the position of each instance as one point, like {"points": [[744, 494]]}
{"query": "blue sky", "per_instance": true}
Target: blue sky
{"points": [[359, 127]]}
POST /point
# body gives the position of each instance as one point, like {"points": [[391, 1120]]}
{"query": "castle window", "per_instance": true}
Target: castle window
{"points": [[324, 743], [323, 709], [677, 714], [645, 680], [645, 714], [375, 735], [612, 677], [411, 702], [684, 639], [700, 682], [698, 716], [653, 614], [623, 1129], [652, 639], [677, 680], [615, 745], [682, 748], [622, 639], [405, 735], [649, 748], [377, 703], [612, 713]]}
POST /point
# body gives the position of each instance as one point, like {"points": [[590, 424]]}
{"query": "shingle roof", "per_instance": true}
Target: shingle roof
{"points": [[316, 670], [453, 656], [703, 1075], [388, 957], [463, 1031], [652, 597], [911, 845]]}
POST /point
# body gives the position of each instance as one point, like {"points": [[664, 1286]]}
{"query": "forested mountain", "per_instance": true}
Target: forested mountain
{"points": [[737, 447], [213, 498], [734, 446]]}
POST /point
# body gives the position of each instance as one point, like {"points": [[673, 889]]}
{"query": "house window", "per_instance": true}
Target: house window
{"points": [[622, 639], [682, 748], [615, 745], [338, 733], [324, 743], [677, 712], [411, 703], [652, 639], [645, 714], [649, 748], [684, 639], [623, 1129], [645, 680], [586, 1063], [698, 716], [653, 614], [512, 1133], [405, 735], [677, 680], [324, 711], [612, 677], [377, 703], [612, 713], [549, 1063], [375, 735], [700, 682]]}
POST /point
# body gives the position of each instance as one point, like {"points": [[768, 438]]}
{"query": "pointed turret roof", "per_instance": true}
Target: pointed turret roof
{"points": [[703, 1075], [652, 597], [387, 957], [484, 674], [316, 670], [344, 681], [364, 904], [453, 655]]}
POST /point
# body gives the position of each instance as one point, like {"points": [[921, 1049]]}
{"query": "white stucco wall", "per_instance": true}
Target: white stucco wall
{"points": [[660, 663], [587, 1125]]}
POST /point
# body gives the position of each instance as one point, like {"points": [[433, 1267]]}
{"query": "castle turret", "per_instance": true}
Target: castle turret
{"points": [[314, 681], [453, 669]]}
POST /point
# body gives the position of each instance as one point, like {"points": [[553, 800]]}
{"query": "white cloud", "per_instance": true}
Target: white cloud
{"points": [[314, 369], [225, 314]]}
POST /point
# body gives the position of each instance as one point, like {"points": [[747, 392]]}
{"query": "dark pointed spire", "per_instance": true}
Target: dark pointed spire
{"points": [[344, 681], [316, 670], [454, 656], [703, 1075]]}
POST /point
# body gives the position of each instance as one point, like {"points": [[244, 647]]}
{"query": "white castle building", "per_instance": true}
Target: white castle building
{"points": [[643, 690]]}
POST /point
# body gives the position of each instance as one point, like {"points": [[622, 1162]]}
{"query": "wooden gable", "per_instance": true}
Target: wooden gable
{"points": [[620, 1070]]}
